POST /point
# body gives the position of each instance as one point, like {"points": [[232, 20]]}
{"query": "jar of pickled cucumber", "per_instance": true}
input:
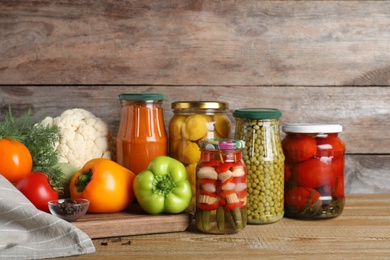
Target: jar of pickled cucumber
{"points": [[264, 158], [314, 171], [192, 122], [221, 187]]}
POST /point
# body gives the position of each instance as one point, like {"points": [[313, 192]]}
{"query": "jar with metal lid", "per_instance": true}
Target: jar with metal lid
{"points": [[264, 158], [141, 135], [192, 122], [221, 187], [314, 171]]}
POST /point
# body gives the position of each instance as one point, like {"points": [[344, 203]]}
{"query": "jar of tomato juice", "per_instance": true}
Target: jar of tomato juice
{"points": [[314, 171], [141, 134]]}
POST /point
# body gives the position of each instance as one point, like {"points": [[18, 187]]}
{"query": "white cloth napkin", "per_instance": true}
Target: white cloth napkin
{"points": [[28, 233]]}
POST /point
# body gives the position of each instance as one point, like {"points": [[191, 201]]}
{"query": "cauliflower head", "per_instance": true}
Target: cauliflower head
{"points": [[83, 137]]}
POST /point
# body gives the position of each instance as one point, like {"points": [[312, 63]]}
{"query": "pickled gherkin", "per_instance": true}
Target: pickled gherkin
{"points": [[264, 158]]}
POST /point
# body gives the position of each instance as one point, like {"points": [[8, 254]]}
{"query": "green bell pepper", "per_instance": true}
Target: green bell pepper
{"points": [[163, 187]]}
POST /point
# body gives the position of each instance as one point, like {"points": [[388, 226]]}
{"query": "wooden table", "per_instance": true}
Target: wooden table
{"points": [[361, 232]]}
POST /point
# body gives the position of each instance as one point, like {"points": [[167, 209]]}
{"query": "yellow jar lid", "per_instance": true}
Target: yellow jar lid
{"points": [[199, 105]]}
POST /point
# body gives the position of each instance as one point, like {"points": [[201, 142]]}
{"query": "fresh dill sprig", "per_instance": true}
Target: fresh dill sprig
{"points": [[15, 129], [40, 140]]}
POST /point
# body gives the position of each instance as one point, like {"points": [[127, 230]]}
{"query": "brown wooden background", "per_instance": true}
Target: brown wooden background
{"points": [[317, 61]]}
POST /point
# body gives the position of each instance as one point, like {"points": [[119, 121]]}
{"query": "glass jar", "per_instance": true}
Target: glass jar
{"points": [[141, 135], [221, 187], [193, 121], [264, 158], [314, 171]]}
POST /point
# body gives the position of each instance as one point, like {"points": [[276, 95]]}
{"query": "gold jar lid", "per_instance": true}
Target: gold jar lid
{"points": [[200, 105]]}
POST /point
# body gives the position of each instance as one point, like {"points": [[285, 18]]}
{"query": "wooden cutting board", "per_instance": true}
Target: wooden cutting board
{"points": [[132, 221]]}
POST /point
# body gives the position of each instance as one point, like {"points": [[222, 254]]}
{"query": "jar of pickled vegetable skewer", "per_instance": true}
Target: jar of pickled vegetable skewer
{"points": [[221, 187]]}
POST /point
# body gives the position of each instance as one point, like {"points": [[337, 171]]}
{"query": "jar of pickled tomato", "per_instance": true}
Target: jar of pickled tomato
{"points": [[264, 158], [141, 135], [192, 122], [314, 171], [221, 187]]}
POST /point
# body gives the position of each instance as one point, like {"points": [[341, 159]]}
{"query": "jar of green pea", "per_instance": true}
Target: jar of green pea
{"points": [[264, 158]]}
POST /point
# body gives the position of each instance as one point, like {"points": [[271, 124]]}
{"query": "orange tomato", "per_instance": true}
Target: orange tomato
{"points": [[106, 184], [15, 160]]}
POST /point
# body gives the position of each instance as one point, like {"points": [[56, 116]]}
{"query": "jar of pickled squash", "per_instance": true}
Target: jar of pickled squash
{"points": [[264, 158], [314, 171], [192, 122], [221, 187], [141, 135]]}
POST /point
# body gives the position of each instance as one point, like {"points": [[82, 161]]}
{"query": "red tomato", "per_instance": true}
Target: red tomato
{"points": [[301, 197], [338, 167], [287, 172], [299, 147], [330, 146], [36, 187], [314, 173], [327, 189], [15, 160], [339, 187]]}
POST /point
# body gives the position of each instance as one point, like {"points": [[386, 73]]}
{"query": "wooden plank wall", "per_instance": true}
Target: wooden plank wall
{"points": [[317, 61]]}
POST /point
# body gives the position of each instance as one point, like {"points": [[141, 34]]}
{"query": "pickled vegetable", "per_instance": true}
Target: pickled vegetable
{"points": [[314, 180], [195, 127], [192, 122], [220, 191], [264, 157]]}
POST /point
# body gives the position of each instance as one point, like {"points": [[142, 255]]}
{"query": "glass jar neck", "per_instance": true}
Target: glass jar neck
{"points": [[143, 103], [313, 134], [221, 155], [198, 111]]}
